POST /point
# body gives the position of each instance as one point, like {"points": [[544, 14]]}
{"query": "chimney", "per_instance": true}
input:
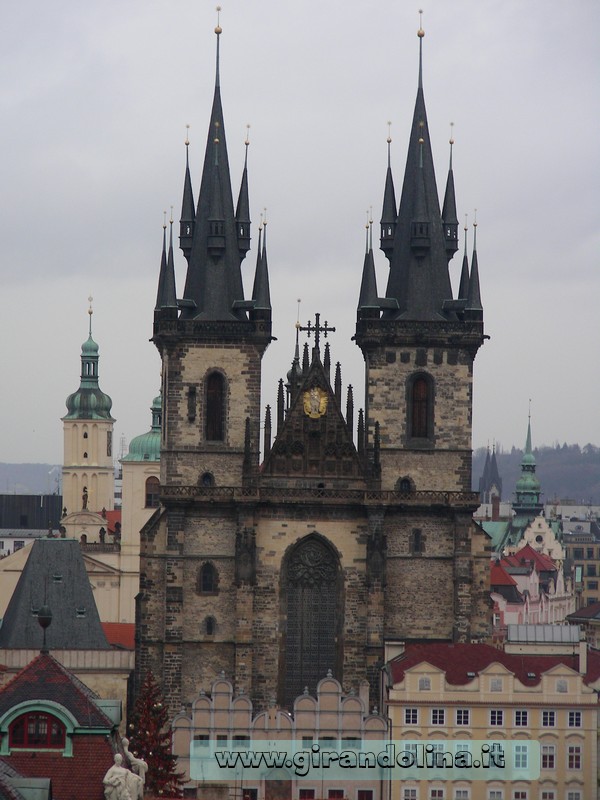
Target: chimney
{"points": [[582, 657]]}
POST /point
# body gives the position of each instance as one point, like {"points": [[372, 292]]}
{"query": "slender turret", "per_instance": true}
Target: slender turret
{"points": [[389, 212], [449, 218]]}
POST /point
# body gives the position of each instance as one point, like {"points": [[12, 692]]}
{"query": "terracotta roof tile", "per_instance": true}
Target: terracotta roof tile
{"points": [[120, 634]]}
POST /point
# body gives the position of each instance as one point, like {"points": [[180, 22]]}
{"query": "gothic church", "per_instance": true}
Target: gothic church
{"points": [[275, 559]]}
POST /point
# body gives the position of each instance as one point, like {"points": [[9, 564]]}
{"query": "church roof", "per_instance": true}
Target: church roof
{"points": [[146, 446], [89, 402], [54, 575]]}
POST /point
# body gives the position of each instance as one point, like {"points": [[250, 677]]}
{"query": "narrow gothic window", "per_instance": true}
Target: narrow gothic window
{"points": [[207, 579], [152, 492], [420, 407], [209, 626], [313, 609], [215, 407]]}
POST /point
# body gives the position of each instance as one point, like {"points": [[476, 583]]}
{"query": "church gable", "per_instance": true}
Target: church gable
{"points": [[315, 441]]}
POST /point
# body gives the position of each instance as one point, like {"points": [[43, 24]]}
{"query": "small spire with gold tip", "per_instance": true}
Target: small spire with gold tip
{"points": [[90, 312], [420, 34]]}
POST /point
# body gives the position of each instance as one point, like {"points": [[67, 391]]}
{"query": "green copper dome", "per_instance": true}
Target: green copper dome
{"points": [[89, 401], [146, 447]]}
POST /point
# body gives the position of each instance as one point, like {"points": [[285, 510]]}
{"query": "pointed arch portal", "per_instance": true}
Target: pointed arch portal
{"points": [[313, 608]]}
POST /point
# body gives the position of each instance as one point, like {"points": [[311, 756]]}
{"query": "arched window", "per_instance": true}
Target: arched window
{"points": [[152, 492], [36, 729], [420, 407], [215, 407], [208, 579], [207, 479], [312, 605]]}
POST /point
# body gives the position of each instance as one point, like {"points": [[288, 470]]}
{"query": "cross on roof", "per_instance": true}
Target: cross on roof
{"points": [[317, 329]]}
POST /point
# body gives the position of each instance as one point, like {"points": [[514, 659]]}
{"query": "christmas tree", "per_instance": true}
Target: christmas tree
{"points": [[150, 739]]}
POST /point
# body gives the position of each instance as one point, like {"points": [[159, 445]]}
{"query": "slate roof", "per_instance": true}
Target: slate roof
{"points": [[7, 790], [54, 574], [45, 678], [457, 660]]}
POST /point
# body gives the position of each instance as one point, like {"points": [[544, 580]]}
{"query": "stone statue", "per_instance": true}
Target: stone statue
{"points": [[116, 781], [84, 498], [138, 765]]}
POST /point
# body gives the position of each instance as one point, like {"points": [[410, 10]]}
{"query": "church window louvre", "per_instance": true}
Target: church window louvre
{"points": [[37, 730], [215, 408], [152, 492], [313, 607], [420, 399], [208, 579]]}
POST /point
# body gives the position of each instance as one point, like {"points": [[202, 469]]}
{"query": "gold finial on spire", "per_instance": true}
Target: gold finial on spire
{"points": [[367, 222], [421, 126], [164, 220], [466, 225], [265, 212], [298, 315], [187, 135], [475, 219], [247, 140], [260, 227], [389, 138], [451, 133], [171, 220], [218, 29], [420, 32]]}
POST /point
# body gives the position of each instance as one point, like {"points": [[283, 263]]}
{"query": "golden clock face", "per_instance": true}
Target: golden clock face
{"points": [[315, 402]]}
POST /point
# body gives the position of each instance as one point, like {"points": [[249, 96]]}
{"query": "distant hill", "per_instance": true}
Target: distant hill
{"points": [[565, 471], [30, 478]]}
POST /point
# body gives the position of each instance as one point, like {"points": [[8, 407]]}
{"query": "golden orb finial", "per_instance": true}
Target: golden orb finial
{"points": [[247, 141], [187, 134], [451, 133], [420, 32], [218, 29], [90, 309], [389, 138]]}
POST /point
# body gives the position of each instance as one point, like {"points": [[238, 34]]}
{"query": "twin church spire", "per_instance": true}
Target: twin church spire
{"points": [[214, 238], [418, 239]]}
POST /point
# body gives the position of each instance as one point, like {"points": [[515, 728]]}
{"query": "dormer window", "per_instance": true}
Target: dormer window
{"points": [[36, 730]]}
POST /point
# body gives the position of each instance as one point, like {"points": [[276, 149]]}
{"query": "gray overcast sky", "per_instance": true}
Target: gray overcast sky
{"points": [[94, 100]]}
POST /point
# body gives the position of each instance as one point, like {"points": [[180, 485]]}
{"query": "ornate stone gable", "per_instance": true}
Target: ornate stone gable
{"points": [[315, 440]]}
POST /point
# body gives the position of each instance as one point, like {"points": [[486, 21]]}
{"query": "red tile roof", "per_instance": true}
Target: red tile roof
{"points": [[500, 577], [112, 517], [120, 634], [540, 561], [45, 679], [457, 660]]}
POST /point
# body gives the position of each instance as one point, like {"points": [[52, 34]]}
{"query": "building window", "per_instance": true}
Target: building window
{"points": [[436, 794], [495, 794], [548, 719], [152, 492], [438, 716], [215, 408], [109, 443], [496, 716], [591, 570], [36, 730], [306, 794], [336, 794], [590, 552], [420, 407], [574, 719], [574, 756], [364, 794], [592, 586], [208, 579], [521, 718], [424, 684], [210, 626], [548, 794], [461, 794], [417, 541], [548, 756], [240, 741], [312, 598], [578, 552], [85, 435], [18, 545], [411, 716], [250, 794], [520, 794], [410, 794], [462, 716], [207, 480], [521, 756], [575, 794]]}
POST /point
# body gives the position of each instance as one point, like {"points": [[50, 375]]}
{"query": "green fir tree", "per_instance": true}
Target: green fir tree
{"points": [[150, 739]]}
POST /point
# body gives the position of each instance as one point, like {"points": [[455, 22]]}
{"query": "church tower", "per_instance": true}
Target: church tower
{"points": [[88, 469], [352, 531], [419, 344]]}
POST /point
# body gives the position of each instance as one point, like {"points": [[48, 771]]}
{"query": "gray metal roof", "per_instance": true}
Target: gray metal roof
{"points": [[558, 634]]}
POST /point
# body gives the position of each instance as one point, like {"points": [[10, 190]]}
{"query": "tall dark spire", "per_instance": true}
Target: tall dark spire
{"points": [[242, 211], [166, 299], [474, 307], [261, 295], [368, 305], [419, 278], [463, 288], [188, 214], [213, 288], [449, 218], [389, 212]]}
